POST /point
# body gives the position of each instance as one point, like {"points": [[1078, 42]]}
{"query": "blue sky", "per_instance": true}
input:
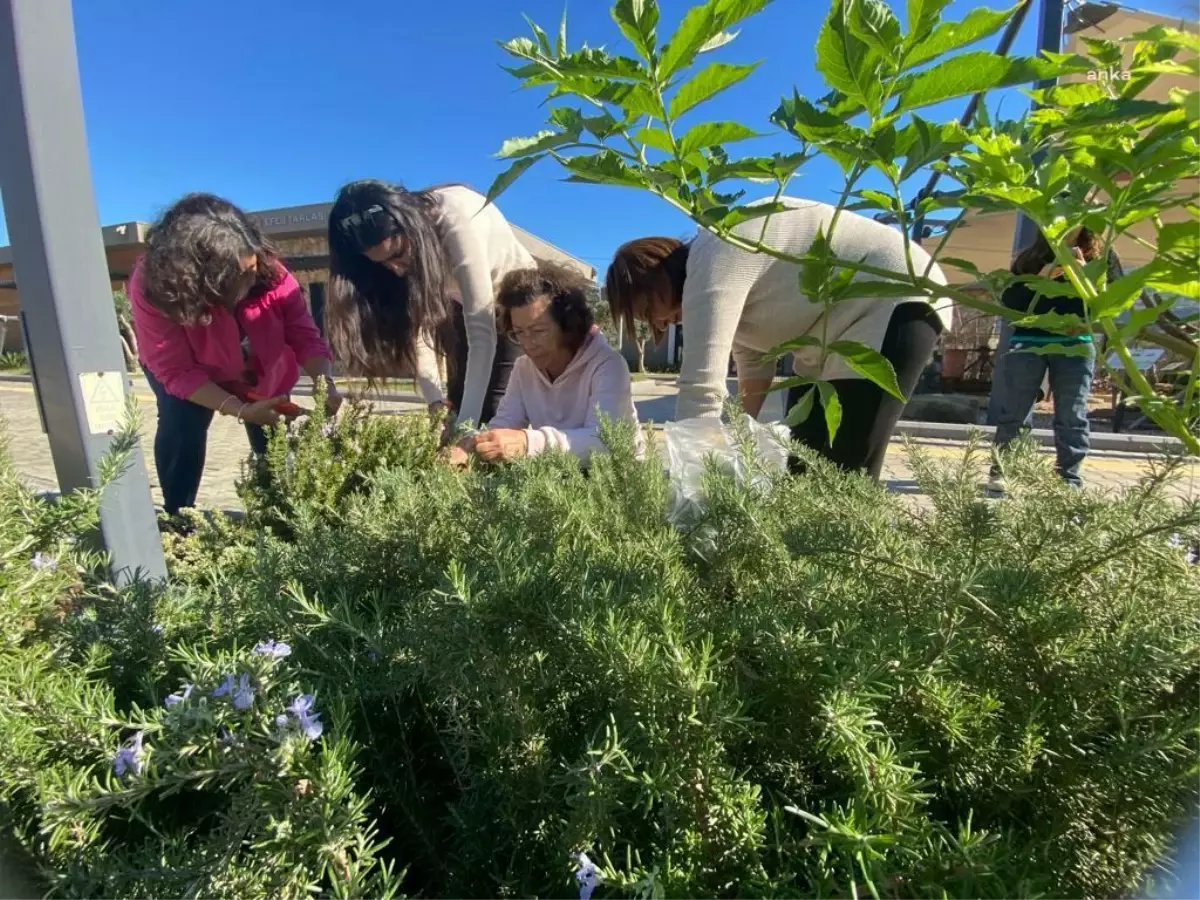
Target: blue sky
{"points": [[278, 102]]}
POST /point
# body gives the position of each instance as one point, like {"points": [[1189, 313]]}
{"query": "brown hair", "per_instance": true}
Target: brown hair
{"points": [[193, 259], [1040, 254], [567, 290], [642, 272]]}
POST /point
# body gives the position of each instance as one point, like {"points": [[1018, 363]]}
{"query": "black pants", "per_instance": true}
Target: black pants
{"points": [[869, 414], [181, 443], [507, 353]]}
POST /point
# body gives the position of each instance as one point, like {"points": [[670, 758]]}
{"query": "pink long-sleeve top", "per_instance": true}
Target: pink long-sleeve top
{"points": [[277, 323]]}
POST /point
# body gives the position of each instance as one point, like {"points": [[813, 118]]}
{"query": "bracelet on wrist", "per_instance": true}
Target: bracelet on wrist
{"points": [[241, 411], [221, 408]]}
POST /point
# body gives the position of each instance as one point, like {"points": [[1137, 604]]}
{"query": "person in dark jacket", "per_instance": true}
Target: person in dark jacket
{"points": [[1071, 370]]}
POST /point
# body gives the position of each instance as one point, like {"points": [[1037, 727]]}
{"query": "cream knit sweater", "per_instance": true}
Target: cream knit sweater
{"points": [[744, 303], [480, 250]]}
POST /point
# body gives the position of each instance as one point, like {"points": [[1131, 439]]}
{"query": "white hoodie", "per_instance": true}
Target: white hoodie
{"points": [[565, 413]]}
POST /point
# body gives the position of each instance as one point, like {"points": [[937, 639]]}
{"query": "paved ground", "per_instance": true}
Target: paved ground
{"points": [[655, 402]]}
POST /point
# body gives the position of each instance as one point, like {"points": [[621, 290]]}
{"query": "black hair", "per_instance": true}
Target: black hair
{"points": [[375, 316]]}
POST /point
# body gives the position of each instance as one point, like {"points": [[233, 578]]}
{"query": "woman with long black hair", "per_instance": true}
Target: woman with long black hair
{"points": [[413, 275]]}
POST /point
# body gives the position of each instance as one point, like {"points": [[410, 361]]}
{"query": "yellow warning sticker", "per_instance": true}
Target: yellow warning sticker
{"points": [[103, 400]]}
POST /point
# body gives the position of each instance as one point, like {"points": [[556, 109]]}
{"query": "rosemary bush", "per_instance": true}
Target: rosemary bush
{"points": [[449, 684]]}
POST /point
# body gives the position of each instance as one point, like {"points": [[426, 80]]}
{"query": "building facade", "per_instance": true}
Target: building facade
{"points": [[300, 233]]}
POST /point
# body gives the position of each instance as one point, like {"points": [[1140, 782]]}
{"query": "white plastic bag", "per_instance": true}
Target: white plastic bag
{"points": [[692, 441]]}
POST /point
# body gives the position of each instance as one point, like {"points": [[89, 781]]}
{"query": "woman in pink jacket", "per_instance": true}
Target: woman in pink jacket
{"points": [[218, 319]]}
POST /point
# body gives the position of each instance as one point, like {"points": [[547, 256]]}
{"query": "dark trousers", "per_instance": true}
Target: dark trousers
{"points": [[869, 414], [507, 353], [180, 445]]}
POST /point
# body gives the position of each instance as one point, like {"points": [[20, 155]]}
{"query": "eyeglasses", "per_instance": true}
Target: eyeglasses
{"points": [[531, 335]]}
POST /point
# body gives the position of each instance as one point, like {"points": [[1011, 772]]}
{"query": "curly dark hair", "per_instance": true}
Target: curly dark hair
{"points": [[567, 290], [193, 259], [375, 316]]}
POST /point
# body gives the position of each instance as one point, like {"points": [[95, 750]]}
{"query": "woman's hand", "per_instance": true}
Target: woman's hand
{"points": [[261, 412], [502, 444], [456, 456], [333, 400]]}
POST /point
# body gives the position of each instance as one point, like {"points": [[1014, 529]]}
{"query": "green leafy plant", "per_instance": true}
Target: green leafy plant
{"points": [[1093, 153], [14, 361], [452, 683]]}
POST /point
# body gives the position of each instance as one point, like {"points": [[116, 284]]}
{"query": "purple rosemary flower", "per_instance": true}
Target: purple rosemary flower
{"points": [[312, 726], [226, 737], [306, 717], [225, 687], [243, 697], [281, 720], [180, 696], [273, 649], [128, 758], [43, 562], [157, 628], [327, 429], [587, 876], [301, 706]]}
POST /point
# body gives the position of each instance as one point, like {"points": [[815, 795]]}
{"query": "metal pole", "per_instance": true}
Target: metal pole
{"points": [[968, 116], [58, 256], [1050, 35]]}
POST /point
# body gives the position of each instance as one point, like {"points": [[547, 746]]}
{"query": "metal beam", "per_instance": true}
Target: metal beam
{"points": [[58, 257], [1050, 35], [968, 116]]}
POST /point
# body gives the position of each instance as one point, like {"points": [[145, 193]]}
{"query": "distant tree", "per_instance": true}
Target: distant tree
{"points": [[125, 329]]}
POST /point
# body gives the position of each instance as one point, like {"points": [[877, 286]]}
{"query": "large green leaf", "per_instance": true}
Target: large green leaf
{"points": [[791, 346], [741, 214], [542, 39], [1161, 34], [637, 20], [799, 413], [833, 408], [949, 36], [1120, 295], [870, 364], [605, 167], [848, 63], [874, 23], [1179, 238], [653, 136], [708, 82], [923, 15], [515, 148], [700, 26], [809, 123], [508, 176], [970, 73], [711, 134]]}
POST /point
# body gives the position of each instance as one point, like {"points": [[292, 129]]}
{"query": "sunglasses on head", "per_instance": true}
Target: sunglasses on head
{"points": [[370, 227]]}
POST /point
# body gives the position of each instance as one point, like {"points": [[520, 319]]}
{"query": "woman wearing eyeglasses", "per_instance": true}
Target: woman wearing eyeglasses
{"points": [[218, 321], [568, 379], [413, 275]]}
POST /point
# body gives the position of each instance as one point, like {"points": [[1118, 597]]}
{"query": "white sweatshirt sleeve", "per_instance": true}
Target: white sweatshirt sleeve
{"points": [[429, 378], [719, 279], [511, 411], [610, 394], [467, 256]]}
